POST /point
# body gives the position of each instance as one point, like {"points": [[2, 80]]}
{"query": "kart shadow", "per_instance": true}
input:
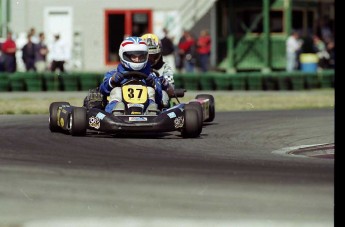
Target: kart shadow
{"points": [[162, 135], [134, 135]]}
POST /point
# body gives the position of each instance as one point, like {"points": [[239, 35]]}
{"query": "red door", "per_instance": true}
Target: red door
{"points": [[120, 24]]}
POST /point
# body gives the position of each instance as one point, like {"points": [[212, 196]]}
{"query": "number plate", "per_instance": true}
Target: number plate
{"points": [[134, 93]]}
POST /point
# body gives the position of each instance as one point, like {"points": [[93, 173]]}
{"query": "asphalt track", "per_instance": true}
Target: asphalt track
{"points": [[230, 176]]}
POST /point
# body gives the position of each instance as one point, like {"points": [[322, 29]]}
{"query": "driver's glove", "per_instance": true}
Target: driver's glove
{"points": [[150, 80], [117, 78], [164, 82]]}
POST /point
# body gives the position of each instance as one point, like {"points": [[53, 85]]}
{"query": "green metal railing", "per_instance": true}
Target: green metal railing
{"points": [[83, 81]]}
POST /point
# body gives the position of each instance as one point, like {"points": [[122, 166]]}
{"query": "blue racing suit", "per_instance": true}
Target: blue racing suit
{"points": [[107, 85]]}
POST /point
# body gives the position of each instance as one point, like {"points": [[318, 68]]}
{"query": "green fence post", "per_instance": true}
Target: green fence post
{"points": [[327, 79], [17, 82], [284, 81], [191, 81], [4, 82], [33, 81], [207, 81], [239, 81], [255, 81], [88, 80], [70, 82], [222, 81], [178, 82], [297, 80], [312, 80], [51, 82], [270, 81]]}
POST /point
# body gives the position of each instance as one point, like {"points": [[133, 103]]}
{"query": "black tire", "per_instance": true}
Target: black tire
{"points": [[191, 127], [53, 109], [79, 121], [197, 106], [212, 108]]}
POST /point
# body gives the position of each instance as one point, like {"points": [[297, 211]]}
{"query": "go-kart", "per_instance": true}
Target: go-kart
{"points": [[187, 118]]}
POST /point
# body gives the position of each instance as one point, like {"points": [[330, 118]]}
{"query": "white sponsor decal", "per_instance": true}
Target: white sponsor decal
{"points": [[137, 119], [94, 122], [135, 105], [179, 122]]}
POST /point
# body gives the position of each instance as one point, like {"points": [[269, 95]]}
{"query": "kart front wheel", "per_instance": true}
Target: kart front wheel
{"points": [[191, 127], [53, 119], [197, 106], [78, 121]]}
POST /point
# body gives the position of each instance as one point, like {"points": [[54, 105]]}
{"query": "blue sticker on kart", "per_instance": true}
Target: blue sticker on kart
{"points": [[100, 116], [172, 114]]}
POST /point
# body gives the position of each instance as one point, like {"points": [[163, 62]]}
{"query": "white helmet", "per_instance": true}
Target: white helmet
{"points": [[133, 47]]}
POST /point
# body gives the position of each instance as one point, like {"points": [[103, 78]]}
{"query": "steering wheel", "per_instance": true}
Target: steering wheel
{"points": [[135, 74]]}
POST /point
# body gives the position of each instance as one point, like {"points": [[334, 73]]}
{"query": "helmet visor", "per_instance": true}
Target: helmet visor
{"points": [[135, 56], [153, 58]]}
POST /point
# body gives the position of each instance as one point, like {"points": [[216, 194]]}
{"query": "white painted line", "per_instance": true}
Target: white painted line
{"points": [[286, 150]]}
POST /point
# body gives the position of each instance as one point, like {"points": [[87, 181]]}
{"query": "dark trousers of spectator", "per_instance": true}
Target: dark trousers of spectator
{"points": [[30, 65], [203, 61], [58, 65], [10, 63]]}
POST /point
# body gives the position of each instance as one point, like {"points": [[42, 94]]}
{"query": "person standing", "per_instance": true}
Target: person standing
{"points": [[204, 50], [28, 54], [168, 50], [293, 45], [58, 54], [9, 49], [32, 33], [321, 51], [41, 54], [187, 51]]}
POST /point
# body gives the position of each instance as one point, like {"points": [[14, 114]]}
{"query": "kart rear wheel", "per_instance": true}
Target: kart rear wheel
{"points": [[53, 121], [191, 128], [212, 112], [78, 121]]}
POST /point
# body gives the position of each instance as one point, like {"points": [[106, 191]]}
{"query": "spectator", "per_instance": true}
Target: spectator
{"points": [[41, 54], [58, 54], [168, 50], [324, 29], [331, 51], [293, 45], [9, 49], [34, 38], [204, 50], [2, 60], [28, 54], [321, 51], [187, 52], [180, 53]]}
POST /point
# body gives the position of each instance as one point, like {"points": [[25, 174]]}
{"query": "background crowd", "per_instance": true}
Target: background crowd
{"points": [[321, 44], [34, 53], [191, 54]]}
